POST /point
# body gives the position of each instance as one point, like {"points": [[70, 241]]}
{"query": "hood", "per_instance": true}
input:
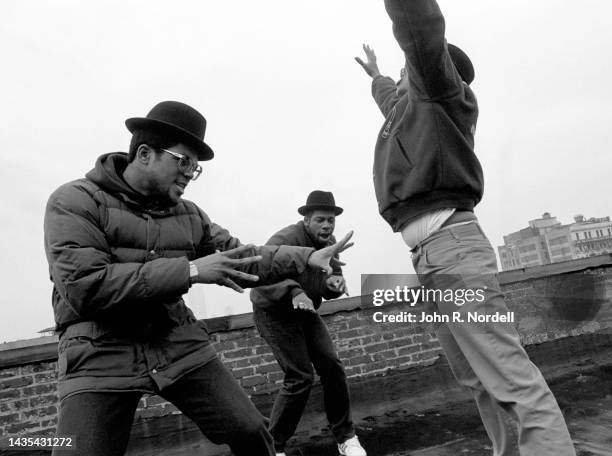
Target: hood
{"points": [[107, 174]]}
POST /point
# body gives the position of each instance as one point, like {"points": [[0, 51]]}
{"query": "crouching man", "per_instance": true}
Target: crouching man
{"points": [[286, 317]]}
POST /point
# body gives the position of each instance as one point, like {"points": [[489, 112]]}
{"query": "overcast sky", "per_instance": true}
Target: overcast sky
{"points": [[289, 111]]}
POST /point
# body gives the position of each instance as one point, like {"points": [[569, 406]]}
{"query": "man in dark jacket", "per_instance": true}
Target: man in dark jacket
{"points": [[286, 317], [428, 181], [122, 247]]}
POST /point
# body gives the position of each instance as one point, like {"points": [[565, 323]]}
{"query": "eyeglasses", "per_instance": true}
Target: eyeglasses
{"points": [[186, 164]]}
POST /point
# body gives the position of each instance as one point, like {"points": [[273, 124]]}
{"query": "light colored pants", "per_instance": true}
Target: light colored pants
{"points": [[488, 358]]}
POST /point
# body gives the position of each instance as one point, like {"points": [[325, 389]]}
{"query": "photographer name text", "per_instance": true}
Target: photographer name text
{"points": [[454, 317]]}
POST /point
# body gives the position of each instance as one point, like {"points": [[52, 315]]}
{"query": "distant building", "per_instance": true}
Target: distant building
{"points": [[591, 237], [47, 331], [547, 240]]}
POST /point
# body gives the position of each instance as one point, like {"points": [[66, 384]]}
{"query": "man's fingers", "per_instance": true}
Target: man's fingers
{"points": [[242, 275], [363, 65], [227, 282], [345, 239], [239, 250], [345, 247], [304, 305], [236, 262], [344, 288], [336, 262], [307, 306], [368, 50], [322, 258], [343, 243]]}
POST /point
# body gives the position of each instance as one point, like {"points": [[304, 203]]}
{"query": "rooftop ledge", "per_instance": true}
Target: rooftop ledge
{"points": [[564, 267], [39, 349]]}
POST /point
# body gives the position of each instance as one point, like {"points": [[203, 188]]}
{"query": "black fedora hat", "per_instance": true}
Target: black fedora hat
{"points": [[320, 200], [182, 120], [462, 63]]}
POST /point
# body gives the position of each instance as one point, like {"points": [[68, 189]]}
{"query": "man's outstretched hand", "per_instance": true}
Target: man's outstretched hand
{"points": [[370, 67], [220, 268], [320, 259]]}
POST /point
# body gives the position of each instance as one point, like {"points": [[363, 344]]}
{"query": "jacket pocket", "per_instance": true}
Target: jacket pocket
{"points": [[399, 171], [442, 258], [404, 153], [95, 356], [471, 258]]}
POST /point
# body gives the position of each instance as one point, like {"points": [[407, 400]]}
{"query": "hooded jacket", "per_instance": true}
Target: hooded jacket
{"points": [[424, 157], [119, 263]]}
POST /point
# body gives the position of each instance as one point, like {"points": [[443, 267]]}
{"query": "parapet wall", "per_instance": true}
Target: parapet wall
{"points": [[550, 302]]}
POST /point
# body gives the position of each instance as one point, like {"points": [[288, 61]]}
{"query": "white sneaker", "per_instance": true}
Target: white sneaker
{"points": [[351, 447], [280, 454]]}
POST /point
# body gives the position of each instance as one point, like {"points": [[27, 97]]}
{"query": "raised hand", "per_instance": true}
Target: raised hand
{"points": [[220, 267], [371, 66], [321, 258]]}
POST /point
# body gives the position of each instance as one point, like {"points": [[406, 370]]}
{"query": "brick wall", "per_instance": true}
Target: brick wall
{"points": [[551, 302], [555, 302], [28, 399]]}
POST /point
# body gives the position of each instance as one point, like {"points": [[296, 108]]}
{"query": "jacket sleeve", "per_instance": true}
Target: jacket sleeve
{"points": [[288, 287], [283, 292], [310, 282], [81, 264], [418, 26], [279, 261], [384, 93], [323, 291]]}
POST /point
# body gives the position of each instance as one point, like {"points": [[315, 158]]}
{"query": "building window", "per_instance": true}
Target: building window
{"points": [[528, 248], [557, 241]]}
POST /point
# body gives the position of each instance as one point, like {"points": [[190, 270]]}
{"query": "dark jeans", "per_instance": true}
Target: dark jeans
{"points": [[210, 396], [299, 340]]}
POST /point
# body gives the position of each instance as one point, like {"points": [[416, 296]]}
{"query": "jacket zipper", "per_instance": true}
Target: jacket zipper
{"points": [[386, 131]]}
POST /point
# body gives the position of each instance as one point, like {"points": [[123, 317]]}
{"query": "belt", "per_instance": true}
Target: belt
{"points": [[459, 216]]}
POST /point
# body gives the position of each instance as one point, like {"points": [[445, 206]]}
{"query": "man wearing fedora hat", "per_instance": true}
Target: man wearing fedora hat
{"points": [[123, 247], [428, 180], [286, 317]]}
